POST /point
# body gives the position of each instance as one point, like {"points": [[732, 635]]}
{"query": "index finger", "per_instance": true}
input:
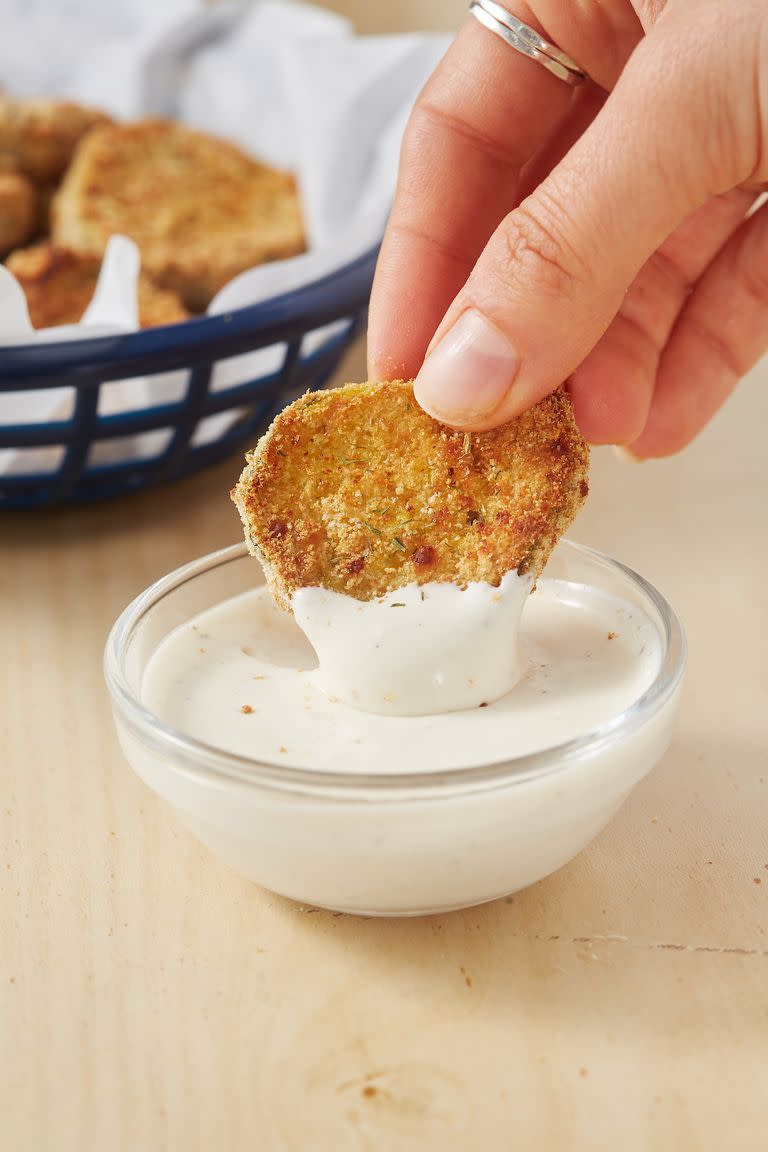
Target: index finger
{"points": [[481, 116], [485, 113]]}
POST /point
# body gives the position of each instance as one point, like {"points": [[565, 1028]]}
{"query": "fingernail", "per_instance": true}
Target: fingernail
{"points": [[626, 454], [469, 373]]}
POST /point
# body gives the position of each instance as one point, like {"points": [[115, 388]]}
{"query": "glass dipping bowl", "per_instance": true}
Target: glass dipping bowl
{"points": [[401, 844]]}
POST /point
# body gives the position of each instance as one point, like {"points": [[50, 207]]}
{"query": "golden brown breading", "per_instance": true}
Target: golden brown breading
{"points": [[200, 210], [45, 195], [359, 490], [18, 209], [41, 135], [59, 285]]}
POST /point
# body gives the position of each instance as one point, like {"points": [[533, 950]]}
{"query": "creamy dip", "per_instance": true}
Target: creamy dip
{"points": [[243, 677], [421, 649]]}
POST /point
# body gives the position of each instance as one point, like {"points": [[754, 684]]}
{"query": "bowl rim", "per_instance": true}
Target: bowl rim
{"points": [[190, 756]]}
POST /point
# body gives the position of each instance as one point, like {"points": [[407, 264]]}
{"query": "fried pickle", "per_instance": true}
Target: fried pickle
{"points": [[18, 209], [199, 209], [40, 136], [358, 490], [59, 285]]}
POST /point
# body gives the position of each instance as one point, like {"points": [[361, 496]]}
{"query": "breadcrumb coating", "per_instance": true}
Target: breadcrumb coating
{"points": [[59, 285], [358, 490], [18, 209], [40, 136], [199, 209]]}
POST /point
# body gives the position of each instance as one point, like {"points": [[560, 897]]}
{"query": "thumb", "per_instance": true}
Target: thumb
{"points": [[554, 274]]}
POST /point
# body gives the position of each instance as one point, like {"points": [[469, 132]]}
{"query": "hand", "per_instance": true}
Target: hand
{"points": [[597, 235]]}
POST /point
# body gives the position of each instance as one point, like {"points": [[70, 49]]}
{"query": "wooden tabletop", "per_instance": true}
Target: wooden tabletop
{"points": [[150, 999]]}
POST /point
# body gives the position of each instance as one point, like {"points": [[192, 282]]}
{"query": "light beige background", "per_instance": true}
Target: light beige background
{"points": [[398, 15], [151, 1000]]}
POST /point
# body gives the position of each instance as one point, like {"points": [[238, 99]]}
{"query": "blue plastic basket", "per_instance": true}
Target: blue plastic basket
{"points": [[287, 321]]}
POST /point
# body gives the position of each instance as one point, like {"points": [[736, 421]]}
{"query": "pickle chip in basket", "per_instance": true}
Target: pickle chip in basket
{"points": [[199, 209], [59, 285], [40, 136]]}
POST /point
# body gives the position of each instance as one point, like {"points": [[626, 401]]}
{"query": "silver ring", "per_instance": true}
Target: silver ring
{"points": [[527, 40]]}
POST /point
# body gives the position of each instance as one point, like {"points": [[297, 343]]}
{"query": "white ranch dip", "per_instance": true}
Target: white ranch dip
{"points": [[242, 677]]}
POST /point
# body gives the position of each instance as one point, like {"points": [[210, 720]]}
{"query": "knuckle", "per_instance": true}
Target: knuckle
{"points": [[535, 251], [649, 11], [725, 354], [417, 132], [720, 59], [756, 286], [754, 279], [421, 121]]}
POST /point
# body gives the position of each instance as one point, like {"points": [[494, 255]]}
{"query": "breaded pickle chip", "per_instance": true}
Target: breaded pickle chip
{"points": [[59, 285], [358, 490], [200, 210], [18, 209], [40, 136]]}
